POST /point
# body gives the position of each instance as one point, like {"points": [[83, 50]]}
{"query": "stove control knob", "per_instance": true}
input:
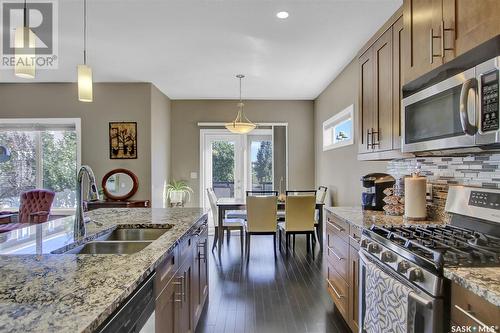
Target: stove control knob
{"points": [[364, 243], [403, 266], [415, 274], [374, 248], [388, 256]]}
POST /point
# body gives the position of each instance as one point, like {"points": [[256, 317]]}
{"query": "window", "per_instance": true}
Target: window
{"points": [[338, 130], [44, 153], [261, 162]]}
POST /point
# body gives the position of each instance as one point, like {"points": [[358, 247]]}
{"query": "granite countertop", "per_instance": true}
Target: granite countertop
{"points": [[482, 281], [367, 218], [43, 292]]}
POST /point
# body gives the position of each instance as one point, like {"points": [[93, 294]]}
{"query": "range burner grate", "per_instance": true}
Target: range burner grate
{"points": [[444, 245]]}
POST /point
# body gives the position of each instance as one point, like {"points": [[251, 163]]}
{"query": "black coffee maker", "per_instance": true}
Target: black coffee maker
{"points": [[374, 185]]}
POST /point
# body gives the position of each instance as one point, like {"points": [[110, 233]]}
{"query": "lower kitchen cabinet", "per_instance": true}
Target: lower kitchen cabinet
{"points": [[468, 309], [342, 267], [182, 285]]}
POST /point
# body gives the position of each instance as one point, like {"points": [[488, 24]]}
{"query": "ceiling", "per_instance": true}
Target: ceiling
{"points": [[191, 49]]}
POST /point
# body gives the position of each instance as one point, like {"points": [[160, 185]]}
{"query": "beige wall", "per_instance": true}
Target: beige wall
{"points": [[160, 146], [112, 102], [339, 169], [186, 135]]}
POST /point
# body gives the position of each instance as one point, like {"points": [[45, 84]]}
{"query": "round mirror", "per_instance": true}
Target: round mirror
{"points": [[120, 184]]}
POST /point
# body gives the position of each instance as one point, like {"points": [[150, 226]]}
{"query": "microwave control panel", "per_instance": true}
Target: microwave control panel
{"points": [[489, 101]]}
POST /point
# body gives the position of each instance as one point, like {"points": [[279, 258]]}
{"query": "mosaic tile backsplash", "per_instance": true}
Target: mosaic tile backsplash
{"points": [[474, 170]]}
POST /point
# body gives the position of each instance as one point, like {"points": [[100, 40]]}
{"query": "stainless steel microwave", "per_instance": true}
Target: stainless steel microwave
{"points": [[458, 112]]}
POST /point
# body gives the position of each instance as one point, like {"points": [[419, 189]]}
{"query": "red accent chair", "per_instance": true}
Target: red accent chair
{"points": [[34, 208]]}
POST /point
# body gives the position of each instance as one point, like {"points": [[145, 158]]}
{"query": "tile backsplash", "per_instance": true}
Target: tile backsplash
{"points": [[474, 170], [481, 170]]}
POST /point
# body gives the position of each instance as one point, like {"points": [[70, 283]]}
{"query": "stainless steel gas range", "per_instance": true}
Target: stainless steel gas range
{"points": [[414, 257]]}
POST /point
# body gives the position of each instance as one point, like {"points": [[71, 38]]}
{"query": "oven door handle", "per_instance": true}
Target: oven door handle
{"points": [[413, 294], [464, 109]]}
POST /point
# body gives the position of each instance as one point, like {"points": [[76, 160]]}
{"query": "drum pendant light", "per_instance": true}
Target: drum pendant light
{"points": [[24, 49], [85, 92], [240, 125]]}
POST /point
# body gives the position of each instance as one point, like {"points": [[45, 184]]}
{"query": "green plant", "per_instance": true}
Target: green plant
{"points": [[179, 186]]}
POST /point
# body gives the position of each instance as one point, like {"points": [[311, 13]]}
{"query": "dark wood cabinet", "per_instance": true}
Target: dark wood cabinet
{"points": [[436, 31], [380, 79], [421, 43], [91, 205], [341, 267], [366, 96], [469, 309], [181, 284], [200, 274], [353, 314]]}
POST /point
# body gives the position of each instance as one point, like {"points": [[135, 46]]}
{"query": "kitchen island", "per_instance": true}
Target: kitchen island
{"points": [[45, 292]]}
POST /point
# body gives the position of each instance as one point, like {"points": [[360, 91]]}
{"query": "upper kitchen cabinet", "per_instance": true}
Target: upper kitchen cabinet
{"points": [[380, 79], [436, 31], [422, 47], [475, 22]]}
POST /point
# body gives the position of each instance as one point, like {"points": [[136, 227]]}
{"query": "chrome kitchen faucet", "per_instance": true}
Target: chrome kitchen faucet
{"points": [[93, 194]]}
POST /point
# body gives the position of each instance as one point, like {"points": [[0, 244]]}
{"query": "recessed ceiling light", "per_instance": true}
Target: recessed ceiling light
{"points": [[282, 15]]}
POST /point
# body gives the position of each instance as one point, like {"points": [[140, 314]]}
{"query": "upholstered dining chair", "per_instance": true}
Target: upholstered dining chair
{"points": [[228, 223], [261, 216], [34, 207], [299, 218]]}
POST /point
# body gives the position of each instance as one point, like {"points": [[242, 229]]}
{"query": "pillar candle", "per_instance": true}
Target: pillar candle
{"points": [[415, 201]]}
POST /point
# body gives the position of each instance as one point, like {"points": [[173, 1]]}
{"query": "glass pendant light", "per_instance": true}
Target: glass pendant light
{"points": [[240, 125], [24, 49], [85, 92]]}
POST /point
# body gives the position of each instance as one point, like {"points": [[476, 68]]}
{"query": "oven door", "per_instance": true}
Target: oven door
{"points": [[428, 310], [431, 119]]}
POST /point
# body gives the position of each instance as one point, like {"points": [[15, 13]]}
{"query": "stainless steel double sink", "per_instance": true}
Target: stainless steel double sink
{"points": [[119, 241]]}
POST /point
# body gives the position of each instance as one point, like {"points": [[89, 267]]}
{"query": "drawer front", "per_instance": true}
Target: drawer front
{"points": [[165, 271], [471, 310], [337, 254], [337, 226], [338, 290], [354, 236]]}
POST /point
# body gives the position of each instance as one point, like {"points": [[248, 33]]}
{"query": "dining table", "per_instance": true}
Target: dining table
{"points": [[232, 204]]}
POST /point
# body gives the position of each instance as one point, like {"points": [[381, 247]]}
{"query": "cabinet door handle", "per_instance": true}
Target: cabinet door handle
{"points": [[368, 135], [443, 46], [375, 143], [431, 46], [334, 226], [354, 238], [469, 314], [335, 254], [334, 290]]}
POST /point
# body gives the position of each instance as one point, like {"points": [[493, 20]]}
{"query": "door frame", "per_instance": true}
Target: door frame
{"points": [[205, 135], [204, 131]]}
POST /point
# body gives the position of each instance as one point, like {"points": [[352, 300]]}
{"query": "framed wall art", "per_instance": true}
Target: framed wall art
{"points": [[122, 140]]}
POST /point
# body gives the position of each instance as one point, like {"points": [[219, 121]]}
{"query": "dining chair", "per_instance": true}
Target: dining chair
{"points": [[228, 224], [320, 198], [299, 218], [261, 216]]}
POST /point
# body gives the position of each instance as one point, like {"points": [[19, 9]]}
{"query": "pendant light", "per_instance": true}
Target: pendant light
{"points": [[240, 125], [24, 49], [85, 93]]}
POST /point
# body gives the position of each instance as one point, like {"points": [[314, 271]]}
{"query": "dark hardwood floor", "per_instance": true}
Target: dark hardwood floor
{"points": [[268, 295]]}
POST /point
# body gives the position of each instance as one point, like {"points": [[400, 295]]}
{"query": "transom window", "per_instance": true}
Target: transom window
{"points": [[45, 154]]}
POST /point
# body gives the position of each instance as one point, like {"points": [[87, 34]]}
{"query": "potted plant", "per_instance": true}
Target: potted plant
{"points": [[177, 191]]}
